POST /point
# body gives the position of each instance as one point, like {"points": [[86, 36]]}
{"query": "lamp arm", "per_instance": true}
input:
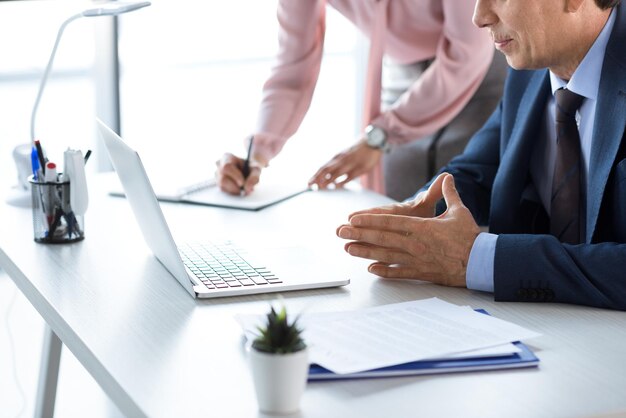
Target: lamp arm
{"points": [[42, 84]]}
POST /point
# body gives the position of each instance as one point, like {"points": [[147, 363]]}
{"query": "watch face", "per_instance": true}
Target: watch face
{"points": [[376, 137]]}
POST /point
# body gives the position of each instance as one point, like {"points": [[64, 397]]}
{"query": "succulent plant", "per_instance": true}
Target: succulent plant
{"points": [[278, 336]]}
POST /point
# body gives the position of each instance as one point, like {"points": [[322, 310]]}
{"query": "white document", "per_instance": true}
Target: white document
{"points": [[357, 341], [495, 351]]}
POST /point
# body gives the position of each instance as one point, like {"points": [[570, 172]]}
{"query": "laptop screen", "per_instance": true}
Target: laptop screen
{"points": [[144, 204]]}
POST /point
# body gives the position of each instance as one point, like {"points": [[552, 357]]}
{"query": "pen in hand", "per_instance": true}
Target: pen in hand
{"points": [[245, 170]]}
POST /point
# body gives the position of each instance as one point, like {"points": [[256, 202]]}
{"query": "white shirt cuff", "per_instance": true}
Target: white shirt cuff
{"points": [[479, 275]]}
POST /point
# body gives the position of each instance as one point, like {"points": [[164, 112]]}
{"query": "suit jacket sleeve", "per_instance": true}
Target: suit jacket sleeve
{"points": [[475, 169], [536, 267]]}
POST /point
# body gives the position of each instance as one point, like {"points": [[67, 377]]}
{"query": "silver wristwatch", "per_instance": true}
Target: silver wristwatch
{"points": [[376, 137]]}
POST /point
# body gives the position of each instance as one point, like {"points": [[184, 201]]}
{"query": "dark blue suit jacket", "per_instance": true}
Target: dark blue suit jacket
{"points": [[493, 179]]}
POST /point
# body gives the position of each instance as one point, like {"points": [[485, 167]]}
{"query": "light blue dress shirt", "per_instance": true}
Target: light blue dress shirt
{"points": [[585, 81]]}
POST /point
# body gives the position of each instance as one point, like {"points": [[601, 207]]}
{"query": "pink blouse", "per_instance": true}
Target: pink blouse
{"points": [[417, 30]]}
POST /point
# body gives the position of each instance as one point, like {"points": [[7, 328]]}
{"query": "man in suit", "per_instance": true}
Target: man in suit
{"points": [[548, 179]]}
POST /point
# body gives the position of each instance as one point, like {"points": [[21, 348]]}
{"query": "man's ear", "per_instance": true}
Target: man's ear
{"points": [[571, 6]]}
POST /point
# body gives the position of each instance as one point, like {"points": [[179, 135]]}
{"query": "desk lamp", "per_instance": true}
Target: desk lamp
{"points": [[20, 153], [107, 9]]}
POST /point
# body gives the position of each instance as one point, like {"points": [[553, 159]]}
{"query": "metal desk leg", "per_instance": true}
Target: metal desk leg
{"points": [[48, 374]]}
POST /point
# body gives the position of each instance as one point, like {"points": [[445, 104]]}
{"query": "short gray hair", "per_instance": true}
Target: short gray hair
{"points": [[607, 4]]}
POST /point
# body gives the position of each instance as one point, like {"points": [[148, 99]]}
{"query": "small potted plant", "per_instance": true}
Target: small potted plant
{"points": [[280, 364]]}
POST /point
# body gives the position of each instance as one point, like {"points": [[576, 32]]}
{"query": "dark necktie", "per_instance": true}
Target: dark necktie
{"points": [[568, 199]]}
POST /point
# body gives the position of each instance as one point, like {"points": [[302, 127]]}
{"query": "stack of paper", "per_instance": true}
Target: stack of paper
{"points": [[425, 336]]}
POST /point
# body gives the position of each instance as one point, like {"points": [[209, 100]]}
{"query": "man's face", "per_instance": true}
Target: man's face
{"points": [[530, 33]]}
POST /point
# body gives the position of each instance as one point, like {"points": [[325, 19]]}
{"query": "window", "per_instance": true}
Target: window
{"points": [[66, 112], [192, 73], [191, 79]]}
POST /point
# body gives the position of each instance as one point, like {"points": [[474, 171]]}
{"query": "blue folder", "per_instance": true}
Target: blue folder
{"points": [[525, 358]]}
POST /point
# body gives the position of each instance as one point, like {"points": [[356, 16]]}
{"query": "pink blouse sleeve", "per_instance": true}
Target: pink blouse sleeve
{"points": [[288, 91], [463, 56]]}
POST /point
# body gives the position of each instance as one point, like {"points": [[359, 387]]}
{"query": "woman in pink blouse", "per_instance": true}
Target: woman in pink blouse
{"points": [[407, 32]]}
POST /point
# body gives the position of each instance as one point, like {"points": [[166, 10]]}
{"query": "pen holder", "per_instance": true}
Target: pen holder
{"points": [[54, 222]]}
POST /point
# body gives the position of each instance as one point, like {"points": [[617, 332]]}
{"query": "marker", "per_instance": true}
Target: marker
{"points": [[49, 202], [246, 164], [50, 175]]}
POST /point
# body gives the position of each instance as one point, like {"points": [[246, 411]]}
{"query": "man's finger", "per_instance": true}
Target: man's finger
{"points": [[393, 209], [449, 192], [402, 240], [393, 271], [434, 192], [374, 252], [396, 223]]}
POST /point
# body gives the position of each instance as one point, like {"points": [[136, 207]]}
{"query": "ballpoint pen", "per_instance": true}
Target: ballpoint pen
{"points": [[34, 160], [246, 164], [42, 158]]}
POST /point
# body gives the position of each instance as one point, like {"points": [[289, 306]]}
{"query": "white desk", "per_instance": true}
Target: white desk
{"points": [[157, 352]]}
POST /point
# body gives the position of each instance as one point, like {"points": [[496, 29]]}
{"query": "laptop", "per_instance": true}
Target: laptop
{"points": [[209, 270]]}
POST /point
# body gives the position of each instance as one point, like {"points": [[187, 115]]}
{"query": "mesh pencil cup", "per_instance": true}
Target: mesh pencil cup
{"points": [[54, 222]]}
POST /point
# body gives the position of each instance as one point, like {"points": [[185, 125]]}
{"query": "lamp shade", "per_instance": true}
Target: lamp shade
{"points": [[115, 8]]}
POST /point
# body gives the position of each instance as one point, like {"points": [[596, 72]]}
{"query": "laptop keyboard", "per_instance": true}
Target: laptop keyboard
{"points": [[219, 266]]}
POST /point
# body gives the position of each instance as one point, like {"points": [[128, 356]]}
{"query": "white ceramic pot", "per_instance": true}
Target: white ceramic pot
{"points": [[279, 380]]}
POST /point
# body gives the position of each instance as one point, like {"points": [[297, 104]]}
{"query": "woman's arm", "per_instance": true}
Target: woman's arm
{"points": [[463, 56]]}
